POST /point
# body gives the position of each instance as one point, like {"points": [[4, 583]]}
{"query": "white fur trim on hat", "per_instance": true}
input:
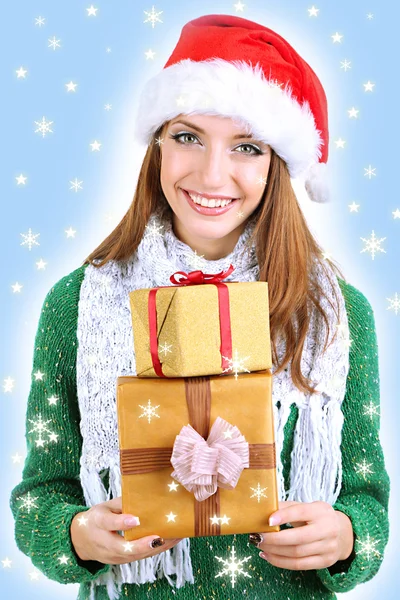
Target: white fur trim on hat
{"points": [[316, 183], [237, 90]]}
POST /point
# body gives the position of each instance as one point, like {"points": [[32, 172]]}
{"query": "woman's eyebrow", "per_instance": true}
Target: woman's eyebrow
{"points": [[200, 130]]}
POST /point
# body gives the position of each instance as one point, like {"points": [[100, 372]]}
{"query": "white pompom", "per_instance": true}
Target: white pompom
{"points": [[316, 183]]}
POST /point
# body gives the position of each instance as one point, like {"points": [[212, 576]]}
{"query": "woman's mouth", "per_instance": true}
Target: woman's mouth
{"points": [[208, 210]]}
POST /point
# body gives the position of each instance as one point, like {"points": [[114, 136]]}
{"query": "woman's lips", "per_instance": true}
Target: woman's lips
{"points": [[205, 210]]}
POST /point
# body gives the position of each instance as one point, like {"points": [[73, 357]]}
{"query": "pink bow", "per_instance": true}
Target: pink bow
{"points": [[201, 466]]}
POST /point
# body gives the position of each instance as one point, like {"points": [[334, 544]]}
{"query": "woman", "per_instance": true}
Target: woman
{"points": [[214, 128]]}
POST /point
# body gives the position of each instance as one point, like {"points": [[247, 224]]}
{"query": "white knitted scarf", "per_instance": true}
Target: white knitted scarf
{"points": [[106, 351]]}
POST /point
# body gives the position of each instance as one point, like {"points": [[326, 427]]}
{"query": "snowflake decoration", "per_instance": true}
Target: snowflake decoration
{"points": [[368, 547], [258, 492], [30, 239], [196, 261], [363, 468], [345, 64], [28, 502], [233, 566], [40, 428], [373, 245], [149, 411], [371, 409], [394, 303], [76, 185], [153, 230], [54, 43], [153, 16], [369, 172], [236, 364], [165, 348], [43, 126]]}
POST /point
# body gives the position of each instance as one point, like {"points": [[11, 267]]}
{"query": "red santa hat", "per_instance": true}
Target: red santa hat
{"points": [[228, 66]]}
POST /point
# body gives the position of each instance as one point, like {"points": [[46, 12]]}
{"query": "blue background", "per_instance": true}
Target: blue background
{"points": [[105, 56]]}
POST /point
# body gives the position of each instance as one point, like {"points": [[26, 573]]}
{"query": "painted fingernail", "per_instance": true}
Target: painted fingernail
{"points": [[255, 538], [157, 542], [264, 556], [274, 520], [130, 521]]}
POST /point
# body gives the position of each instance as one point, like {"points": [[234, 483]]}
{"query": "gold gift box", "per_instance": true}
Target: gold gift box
{"points": [[151, 413], [188, 329]]}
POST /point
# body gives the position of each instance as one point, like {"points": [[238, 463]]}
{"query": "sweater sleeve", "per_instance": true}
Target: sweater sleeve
{"points": [[364, 494], [44, 503]]}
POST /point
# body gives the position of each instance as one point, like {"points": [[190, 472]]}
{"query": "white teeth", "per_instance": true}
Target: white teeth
{"points": [[212, 203]]}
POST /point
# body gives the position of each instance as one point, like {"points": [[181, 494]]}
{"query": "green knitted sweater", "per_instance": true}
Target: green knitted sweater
{"points": [[50, 494]]}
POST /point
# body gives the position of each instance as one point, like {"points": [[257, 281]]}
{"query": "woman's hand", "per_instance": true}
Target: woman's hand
{"points": [[94, 536], [320, 537]]}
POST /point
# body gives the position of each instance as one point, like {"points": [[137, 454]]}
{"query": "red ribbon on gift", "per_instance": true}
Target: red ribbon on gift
{"points": [[196, 278]]}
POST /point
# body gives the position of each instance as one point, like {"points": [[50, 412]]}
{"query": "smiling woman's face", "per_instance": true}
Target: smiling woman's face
{"points": [[219, 160]]}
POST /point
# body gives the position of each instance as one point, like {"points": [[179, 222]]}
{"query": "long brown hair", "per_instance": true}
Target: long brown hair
{"points": [[286, 252]]}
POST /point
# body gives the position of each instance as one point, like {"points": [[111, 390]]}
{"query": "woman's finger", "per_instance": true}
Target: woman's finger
{"points": [[300, 551], [312, 532], [307, 563]]}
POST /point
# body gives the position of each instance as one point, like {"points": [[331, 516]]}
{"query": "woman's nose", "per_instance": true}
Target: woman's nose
{"points": [[214, 167]]}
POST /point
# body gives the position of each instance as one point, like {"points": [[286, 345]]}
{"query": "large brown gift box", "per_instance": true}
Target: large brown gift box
{"points": [[188, 322], [151, 416]]}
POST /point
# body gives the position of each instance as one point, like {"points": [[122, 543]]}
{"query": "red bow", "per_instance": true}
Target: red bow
{"points": [[196, 278], [199, 278]]}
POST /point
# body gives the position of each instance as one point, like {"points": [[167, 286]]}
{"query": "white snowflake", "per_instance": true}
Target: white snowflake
{"points": [[153, 230], [373, 245], [28, 502], [259, 492], [394, 303], [345, 65], [364, 468], [236, 364], [153, 16], [40, 429], [43, 127], [371, 409], [76, 185], [149, 411], [54, 43], [165, 348], [233, 566], [196, 261], [30, 239], [368, 547], [369, 172]]}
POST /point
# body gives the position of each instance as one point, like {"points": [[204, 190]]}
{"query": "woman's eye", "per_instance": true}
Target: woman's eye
{"points": [[247, 146], [178, 137]]}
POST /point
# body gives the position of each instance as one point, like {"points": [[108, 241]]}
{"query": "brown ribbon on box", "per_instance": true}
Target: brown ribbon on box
{"points": [[146, 460]]}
